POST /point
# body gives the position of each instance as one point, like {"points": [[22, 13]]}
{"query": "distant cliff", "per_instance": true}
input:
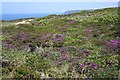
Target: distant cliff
{"points": [[76, 11]]}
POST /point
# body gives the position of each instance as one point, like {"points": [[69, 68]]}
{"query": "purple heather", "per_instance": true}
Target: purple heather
{"points": [[65, 57], [112, 45], [58, 37], [91, 65], [85, 52], [71, 21], [22, 36], [9, 46]]}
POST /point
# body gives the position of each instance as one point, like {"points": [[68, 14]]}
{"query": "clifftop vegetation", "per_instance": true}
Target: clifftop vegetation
{"points": [[78, 45]]}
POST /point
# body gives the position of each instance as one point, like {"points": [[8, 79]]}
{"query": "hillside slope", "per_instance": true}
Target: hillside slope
{"points": [[79, 45]]}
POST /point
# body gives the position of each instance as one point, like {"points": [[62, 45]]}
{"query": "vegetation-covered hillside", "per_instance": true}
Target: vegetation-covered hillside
{"points": [[79, 45]]}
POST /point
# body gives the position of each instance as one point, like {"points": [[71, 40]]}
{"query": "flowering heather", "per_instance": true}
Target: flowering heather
{"points": [[88, 32], [22, 36], [71, 21], [91, 65], [61, 49], [44, 36], [66, 26], [9, 46], [58, 37], [112, 45], [64, 57], [86, 39], [86, 52]]}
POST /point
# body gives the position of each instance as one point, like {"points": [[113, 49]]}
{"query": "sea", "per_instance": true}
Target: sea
{"points": [[19, 16]]}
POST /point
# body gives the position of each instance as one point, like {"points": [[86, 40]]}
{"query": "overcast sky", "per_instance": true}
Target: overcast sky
{"points": [[51, 7]]}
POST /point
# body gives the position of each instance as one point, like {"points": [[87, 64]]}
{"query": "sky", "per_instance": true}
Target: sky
{"points": [[59, 0], [51, 7]]}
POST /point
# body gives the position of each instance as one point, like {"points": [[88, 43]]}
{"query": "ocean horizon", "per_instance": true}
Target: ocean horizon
{"points": [[19, 16]]}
